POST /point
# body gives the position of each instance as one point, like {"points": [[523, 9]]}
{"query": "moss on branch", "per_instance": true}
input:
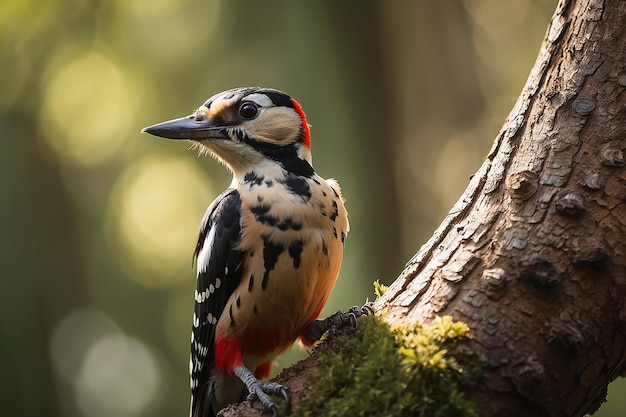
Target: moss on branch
{"points": [[383, 371]]}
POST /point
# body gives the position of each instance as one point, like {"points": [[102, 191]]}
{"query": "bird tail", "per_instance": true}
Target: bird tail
{"points": [[202, 403]]}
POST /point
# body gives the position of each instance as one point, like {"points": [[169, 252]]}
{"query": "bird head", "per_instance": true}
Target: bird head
{"points": [[245, 127]]}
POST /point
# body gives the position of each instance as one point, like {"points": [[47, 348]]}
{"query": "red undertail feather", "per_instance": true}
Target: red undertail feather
{"points": [[263, 370], [229, 352], [227, 355], [306, 132]]}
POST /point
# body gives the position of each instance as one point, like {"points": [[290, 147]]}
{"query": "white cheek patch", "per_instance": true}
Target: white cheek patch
{"points": [[276, 125]]}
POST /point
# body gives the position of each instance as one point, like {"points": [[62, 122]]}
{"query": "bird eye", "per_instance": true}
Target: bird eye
{"points": [[248, 110]]}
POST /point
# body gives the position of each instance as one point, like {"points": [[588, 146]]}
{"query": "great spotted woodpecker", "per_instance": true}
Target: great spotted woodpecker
{"points": [[270, 246]]}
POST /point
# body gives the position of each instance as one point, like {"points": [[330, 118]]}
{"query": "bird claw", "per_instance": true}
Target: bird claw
{"points": [[285, 394], [367, 309], [341, 319], [261, 390]]}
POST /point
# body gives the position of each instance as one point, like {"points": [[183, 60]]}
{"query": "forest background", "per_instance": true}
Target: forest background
{"points": [[404, 98]]}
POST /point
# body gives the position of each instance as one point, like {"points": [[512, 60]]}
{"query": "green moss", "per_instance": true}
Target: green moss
{"points": [[380, 371], [379, 289]]}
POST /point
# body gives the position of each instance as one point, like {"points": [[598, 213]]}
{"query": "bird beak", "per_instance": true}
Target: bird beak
{"points": [[194, 127]]}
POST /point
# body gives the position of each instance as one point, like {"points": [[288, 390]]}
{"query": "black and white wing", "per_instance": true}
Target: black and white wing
{"points": [[218, 275]]}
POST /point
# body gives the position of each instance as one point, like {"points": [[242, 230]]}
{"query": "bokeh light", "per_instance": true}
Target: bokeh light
{"points": [[171, 31], [88, 108], [119, 377], [111, 373], [155, 208], [72, 338]]}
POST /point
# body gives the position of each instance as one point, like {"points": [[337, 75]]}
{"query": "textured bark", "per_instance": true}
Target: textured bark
{"points": [[533, 255]]}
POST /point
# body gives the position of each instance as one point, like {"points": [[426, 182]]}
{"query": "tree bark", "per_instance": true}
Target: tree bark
{"points": [[533, 255]]}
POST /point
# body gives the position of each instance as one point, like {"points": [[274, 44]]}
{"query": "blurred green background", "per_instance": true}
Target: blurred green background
{"points": [[96, 296]]}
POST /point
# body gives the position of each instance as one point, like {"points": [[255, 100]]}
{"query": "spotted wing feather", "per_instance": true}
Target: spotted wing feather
{"points": [[218, 275]]}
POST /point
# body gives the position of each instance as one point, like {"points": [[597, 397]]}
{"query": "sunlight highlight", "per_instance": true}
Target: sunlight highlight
{"points": [[158, 203], [119, 377], [171, 30], [88, 108], [110, 373]]}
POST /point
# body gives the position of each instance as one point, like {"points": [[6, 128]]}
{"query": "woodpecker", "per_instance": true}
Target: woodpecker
{"points": [[269, 250]]}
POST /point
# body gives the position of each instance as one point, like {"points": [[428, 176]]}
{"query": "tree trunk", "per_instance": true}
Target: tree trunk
{"points": [[533, 255]]}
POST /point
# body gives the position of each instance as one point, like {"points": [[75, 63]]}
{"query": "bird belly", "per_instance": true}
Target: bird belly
{"points": [[269, 313], [293, 248]]}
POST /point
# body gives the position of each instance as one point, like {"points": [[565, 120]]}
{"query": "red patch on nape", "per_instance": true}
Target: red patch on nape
{"points": [[306, 132], [227, 355]]}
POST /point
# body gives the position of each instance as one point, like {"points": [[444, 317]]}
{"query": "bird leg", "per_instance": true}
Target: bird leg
{"points": [[261, 390], [332, 324], [335, 322]]}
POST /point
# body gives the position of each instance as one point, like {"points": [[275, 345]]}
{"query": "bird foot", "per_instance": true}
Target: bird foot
{"points": [[335, 322], [261, 390]]}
